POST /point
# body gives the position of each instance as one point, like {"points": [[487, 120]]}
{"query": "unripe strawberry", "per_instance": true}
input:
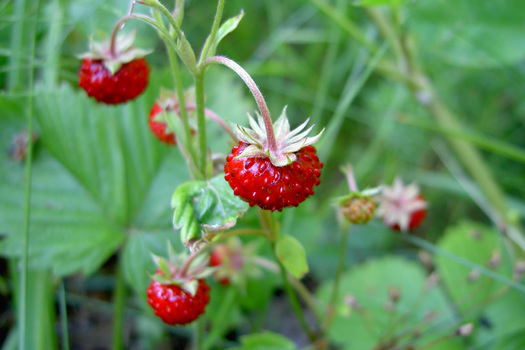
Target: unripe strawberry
{"points": [[358, 210]]}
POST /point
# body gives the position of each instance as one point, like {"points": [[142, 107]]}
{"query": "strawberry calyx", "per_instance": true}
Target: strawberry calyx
{"points": [[114, 58], [358, 207], [287, 142], [182, 270]]}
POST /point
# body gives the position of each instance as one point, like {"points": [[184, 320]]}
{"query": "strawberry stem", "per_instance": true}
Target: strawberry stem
{"points": [[349, 171], [254, 89], [118, 26]]}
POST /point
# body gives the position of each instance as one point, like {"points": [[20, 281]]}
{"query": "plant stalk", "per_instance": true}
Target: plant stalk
{"points": [[254, 89], [119, 301], [23, 314], [201, 120], [214, 29], [330, 310]]}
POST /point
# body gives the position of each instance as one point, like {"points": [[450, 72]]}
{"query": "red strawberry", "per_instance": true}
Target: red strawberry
{"points": [[416, 217], [159, 128], [402, 208], [174, 305], [216, 260], [257, 181], [273, 166], [126, 84], [114, 71]]}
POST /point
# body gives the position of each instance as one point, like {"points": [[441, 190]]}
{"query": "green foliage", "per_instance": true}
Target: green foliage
{"points": [[367, 304], [469, 288], [208, 206], [469, 33], [291, 254], [266, 341]]}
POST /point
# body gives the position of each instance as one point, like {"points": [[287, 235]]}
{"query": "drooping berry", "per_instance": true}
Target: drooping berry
{"points": [[116, 72], [126, 84], [174, 305], [273, 176], [401, 207], [158, 128], [257, 181]]}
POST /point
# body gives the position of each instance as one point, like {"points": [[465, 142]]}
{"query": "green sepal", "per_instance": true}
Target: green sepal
{"points": [[187, 55], [226, 28], [291, 254]]}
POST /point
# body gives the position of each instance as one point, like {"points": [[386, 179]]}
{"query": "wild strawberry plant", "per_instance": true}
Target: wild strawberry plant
{"points": [[223, 230]]}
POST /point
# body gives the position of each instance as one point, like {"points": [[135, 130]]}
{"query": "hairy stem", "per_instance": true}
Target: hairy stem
{"points": [[330, 310], [296, 306], [23, 314], [254, 89], [119, 302], [201, 120], [63, 316], [213, 34]]}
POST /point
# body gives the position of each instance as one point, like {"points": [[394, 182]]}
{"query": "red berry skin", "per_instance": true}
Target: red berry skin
{"points": [[126, 84], [216, 260], [416, 218], [259, 182], [176, 306], [158, 128]]}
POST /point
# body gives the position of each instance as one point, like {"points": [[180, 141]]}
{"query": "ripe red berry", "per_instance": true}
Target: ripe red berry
{"points": [[257, 181], [416, 217], [402, 208], [159, 128], [127, 83], [175, 305]]}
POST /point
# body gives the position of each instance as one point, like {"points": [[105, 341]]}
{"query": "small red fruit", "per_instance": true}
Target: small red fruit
{"points": [[126, 84], [175, 305], [416, 217], [402, 208], [257, 181], [159, 128]]}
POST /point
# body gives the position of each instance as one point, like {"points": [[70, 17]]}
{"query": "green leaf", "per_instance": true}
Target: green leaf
{"points": [[291, 254], [98, 174], [364, 305], [226, 28], [379, 2], [469, 32], [265, 341], [467, 287], [187, 55], [205, 205]]}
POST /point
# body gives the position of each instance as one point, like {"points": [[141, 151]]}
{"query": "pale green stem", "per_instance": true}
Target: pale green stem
{"points": [[214, 29], [330, 310], [292, 297], [219, 329], [63, 316], [179, 88], [169, 16], [23, 316], [254, 89], [242, 232], [119, 301], [201, 120]]}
